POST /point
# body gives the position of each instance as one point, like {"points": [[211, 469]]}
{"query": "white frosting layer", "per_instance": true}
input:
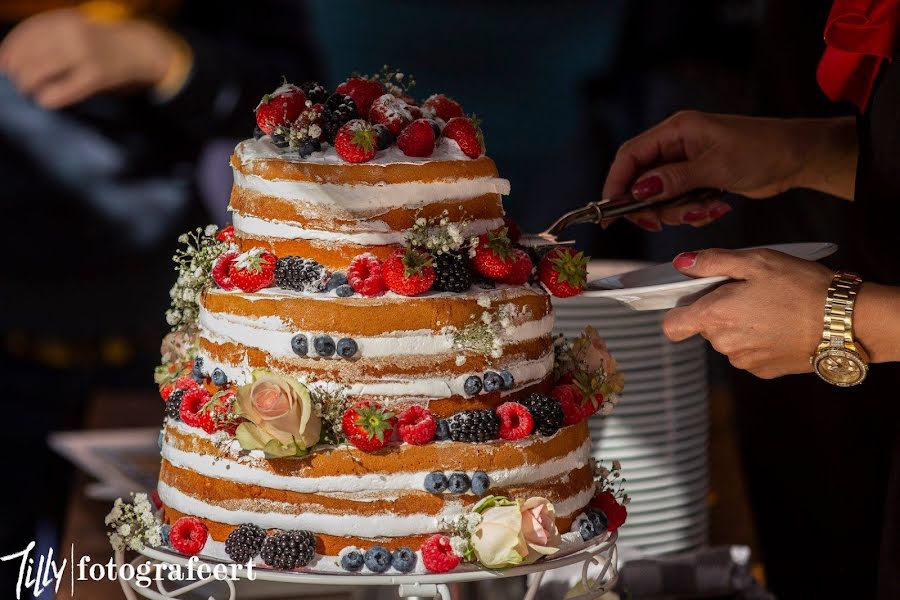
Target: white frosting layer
{"points": [[263, 149], [233, 469], [523, 372], [257, 227], [380, 525], [273, 336]]}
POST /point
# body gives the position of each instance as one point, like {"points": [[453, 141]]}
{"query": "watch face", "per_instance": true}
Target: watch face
{"points": [[840, 367]]}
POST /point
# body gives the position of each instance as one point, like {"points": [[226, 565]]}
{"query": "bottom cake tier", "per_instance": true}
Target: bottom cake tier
{"points": [[347, 498]]}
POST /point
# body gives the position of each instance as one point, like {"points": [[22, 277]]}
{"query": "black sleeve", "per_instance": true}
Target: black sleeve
{"points": [[241, 51]]}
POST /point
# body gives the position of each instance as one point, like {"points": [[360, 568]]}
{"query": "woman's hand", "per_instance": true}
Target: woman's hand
{"points": [[60, 57], [769, 322], [754, 157]]}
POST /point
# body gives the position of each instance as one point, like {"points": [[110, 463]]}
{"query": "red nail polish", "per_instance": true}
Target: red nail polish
{"points": [[685, 260], [719, 210], [649, 224], [694, 216], [647, 188]]}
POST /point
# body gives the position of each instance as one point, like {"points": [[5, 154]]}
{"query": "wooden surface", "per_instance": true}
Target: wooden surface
{"points": [[730, 519]]}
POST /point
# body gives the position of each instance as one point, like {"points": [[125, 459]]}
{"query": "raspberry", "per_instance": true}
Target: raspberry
{"points": [[192, 404], [416, 425], [571, 401], [515, 421], [365, 275], [188, 535], [437, 554]]}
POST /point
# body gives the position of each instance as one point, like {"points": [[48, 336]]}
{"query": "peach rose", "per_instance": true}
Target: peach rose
{"points": [[280, 417], [539, 528]]}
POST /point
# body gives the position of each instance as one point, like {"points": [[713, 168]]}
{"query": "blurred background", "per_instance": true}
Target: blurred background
{"points": [[107, 158]]}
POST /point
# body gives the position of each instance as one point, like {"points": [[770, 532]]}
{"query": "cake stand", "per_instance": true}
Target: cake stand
{"points": [[602, 552]]}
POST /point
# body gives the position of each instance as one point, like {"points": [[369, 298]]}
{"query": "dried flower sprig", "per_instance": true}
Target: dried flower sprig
{"points": [[437, 234], [194, 266], [133, 525]]}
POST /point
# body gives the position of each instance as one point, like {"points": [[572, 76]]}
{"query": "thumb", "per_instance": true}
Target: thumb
{"points": [[717, 262], [674, 179]]}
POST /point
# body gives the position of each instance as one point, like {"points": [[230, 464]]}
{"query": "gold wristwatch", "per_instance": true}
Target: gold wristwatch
{"points": [[839, 359]]}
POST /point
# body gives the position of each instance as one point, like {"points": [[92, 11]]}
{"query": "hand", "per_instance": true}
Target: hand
{"points": [[769, 322], [60, 57], [750, 156]]}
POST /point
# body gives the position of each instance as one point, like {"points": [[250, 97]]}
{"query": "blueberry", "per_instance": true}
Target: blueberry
{"points": [[508, 380], [435, 482], [436, 127], [442, 432], [384, 136], [335, 281], [352, 561], [219, 377], [279, 139], [300, 345], [258, 133], [378, 559], [346, 347], [587, 530], [164, 531], [480, 483], [403, 559], [458, 483], [344, 291], [492, 382], [308, 146], [472, 385], [324, 345], [598, 520], [197, 369]]}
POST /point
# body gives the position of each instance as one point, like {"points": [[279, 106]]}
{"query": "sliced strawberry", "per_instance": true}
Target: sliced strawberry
{"points": [[467, 134], [281, 107], [409, 272], [363, 91], [563, 272]]}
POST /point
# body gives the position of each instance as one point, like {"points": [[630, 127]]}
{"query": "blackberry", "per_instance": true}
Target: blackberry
{"points": [[338, 110], [452, 272], [475, 426], [173, 404], [546, 412], [289, 550], [301, 274], [244, 543], [315, 92]]}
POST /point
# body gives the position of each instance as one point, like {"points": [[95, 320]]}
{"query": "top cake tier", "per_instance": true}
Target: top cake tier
{"points": [[330, 210]]}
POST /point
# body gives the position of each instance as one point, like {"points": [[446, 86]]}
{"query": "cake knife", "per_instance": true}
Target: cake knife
{"points": [[602, 210]]}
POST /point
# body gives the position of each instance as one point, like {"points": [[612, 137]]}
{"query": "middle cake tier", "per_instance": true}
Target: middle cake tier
{"points": [[405, 350]]}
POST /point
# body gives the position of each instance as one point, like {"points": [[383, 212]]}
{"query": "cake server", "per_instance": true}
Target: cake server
{"points": [[602, 210]]}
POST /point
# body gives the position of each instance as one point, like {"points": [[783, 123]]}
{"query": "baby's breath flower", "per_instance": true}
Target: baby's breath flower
{"points": [[194, 265]]}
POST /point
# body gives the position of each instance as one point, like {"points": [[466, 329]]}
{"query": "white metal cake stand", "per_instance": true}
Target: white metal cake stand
{"points": [[602, 553]]}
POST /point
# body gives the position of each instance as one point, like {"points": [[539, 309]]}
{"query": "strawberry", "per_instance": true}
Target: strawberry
{"points": [[563, 271], [188, 535], [521, 268], [226, 234], [443, 107], [493, 255], [416, 425], [417, 139], [218, 414], [156, 500], [438, 555], [408, 272], [365, 275], [368, 426], [390, 111], [281, 107], [165, 390], [615, 512], [363, 91], [572, 403], [355, 141], [253, 270], [414, 111], [513, 231], [192, 403], [221, 271], [467, 134], [515, 421]]}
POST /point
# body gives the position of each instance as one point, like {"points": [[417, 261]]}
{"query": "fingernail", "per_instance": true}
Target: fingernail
{"points": [[719, 210], [685, 260], [649, 224], [694, 216], [647, 188]]}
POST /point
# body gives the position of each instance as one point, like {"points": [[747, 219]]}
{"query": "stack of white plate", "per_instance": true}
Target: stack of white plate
{"points": [[659, 428]]}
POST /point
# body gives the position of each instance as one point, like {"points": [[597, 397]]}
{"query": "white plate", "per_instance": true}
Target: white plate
{"points": [[662, 287], [672, 419], [682, 500], [665, 382], [652, 443], [654, 545], [661, 454]]}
